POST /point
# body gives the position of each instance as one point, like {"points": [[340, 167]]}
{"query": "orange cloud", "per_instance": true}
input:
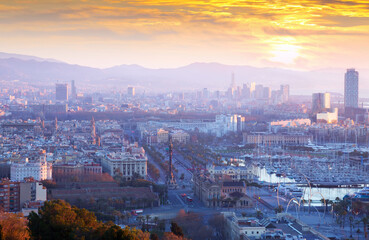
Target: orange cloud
{"points": [[243, 32]]}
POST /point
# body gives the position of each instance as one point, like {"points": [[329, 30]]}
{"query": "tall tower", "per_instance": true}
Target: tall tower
{"points": [[74, 90], [285, 90], [131, 91], [171, 181], [56, 124], [61, 92], [233, 82], [93, 131], [351, 88]]}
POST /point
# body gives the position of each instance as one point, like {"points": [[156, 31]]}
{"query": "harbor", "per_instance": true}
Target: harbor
{"points": [[306, 176]]}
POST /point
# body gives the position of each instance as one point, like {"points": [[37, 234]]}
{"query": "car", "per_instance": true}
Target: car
{"points": [[183, 195], [189, 199], [136, 212]]}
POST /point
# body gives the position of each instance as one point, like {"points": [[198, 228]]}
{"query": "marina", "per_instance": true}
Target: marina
{"points": [[306, 177]]}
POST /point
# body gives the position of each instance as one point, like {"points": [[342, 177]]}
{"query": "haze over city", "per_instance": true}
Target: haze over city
{"points": [[184, 120]]}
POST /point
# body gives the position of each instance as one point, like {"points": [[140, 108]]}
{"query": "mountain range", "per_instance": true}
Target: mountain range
{"points": [[191, 77]]}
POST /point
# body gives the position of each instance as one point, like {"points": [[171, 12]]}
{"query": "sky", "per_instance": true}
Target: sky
{"points": [[305, 35]]}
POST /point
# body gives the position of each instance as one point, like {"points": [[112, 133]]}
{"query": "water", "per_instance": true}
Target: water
{"points": [[316, 193]]}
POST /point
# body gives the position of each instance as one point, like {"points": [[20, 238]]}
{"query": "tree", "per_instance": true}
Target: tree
{"points": [[154, 236], [117, 233], [279, 209], [175, 229], [171, 236], [259, 214], [218, 222], [117, 215], [147, 217], [57, 220], [140, 219], [13, 227], [365, 221]]}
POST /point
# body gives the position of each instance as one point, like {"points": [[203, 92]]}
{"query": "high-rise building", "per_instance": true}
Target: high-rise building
{"points": [[285, 91], [259, 91], [252, 90], [233, 82], [38, 170], [246, 91], [74, 90], [131, 91], [267, 93], [205, 93], [320, 102], [61, 92], [351, 88]]}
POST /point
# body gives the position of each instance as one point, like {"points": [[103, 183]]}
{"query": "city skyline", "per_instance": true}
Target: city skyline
{"points": [[305, 35]]}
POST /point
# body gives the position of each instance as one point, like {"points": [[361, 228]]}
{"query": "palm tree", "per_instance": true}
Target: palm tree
{"points": [[147, 217], [365, 221], [351, 220], [117, 215], [156, 220], [128, 216], [140, 220]]}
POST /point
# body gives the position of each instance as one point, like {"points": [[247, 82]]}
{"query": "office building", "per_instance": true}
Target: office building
{"points": [[351, 88], [259, 91], [125, 164], [330, 116], [267, 93], [74, 90], [205, 93], [246, 91], [252, 89], [320, 102], [14, 195], [49, 108], [180, 136], [9, 197], [162, 136], [285, 91], [276, 139], [61, 92], [131, 91], [38, 170], [239, 227]]}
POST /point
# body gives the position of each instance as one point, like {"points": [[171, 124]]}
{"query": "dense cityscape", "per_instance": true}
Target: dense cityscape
{"points": [[242, 163], [184, 120]]}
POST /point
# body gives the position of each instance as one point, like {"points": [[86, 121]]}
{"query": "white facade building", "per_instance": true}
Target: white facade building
{"points": [[222, 125], [39, 170], [236, 173], [238, 227], [180, 136], [125, 163]]}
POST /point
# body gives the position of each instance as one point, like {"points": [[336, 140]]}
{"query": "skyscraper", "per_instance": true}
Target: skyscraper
{"points": [[285, 91], [351, 88], [321, 101], [61, 92], [233, 82], [131, 91], [74, 90]]}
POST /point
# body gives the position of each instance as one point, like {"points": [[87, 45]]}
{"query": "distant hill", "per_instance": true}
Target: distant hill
{"points": [[194, 76], [26, 57]]}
